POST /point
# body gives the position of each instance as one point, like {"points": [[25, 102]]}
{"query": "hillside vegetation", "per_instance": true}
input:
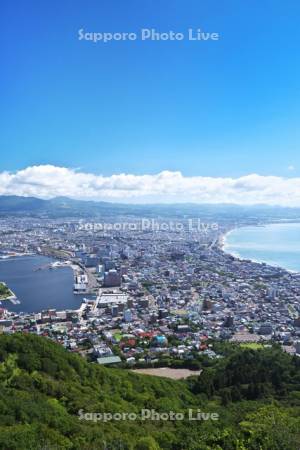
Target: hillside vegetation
{"points": [[43, 387]]}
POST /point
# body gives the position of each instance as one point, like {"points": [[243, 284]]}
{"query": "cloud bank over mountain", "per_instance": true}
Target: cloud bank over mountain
{"points": [[48, 181]]}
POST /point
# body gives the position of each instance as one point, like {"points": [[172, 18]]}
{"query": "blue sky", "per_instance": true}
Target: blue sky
{"points": [[218, 109]]}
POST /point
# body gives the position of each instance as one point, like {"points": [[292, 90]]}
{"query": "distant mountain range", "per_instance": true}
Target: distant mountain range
{"points": [[66, 207], [13, 203]]}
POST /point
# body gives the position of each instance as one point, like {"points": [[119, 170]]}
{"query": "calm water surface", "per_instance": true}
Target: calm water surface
{"points": [[276, 244], [38, 289]]}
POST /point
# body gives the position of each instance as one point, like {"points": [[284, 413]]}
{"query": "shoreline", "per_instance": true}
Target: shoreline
{"points": [[224, 247], [15, 255]]}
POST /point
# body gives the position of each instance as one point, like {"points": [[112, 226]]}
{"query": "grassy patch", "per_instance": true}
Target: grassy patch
{"points": [[4, 291], [252, 345]]}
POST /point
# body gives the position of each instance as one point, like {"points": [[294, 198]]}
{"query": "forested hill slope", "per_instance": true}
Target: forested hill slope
{"points": [[43, 388]]}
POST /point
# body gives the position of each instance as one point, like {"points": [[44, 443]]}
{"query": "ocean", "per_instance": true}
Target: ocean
{"points": [[38, 289], [274, 244]]}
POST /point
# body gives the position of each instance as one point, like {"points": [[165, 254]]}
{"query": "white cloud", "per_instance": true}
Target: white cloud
{"points": [[50, 181]]}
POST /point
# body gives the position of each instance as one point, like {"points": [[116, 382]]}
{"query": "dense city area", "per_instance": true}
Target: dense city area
{"points": [[154, 293]]}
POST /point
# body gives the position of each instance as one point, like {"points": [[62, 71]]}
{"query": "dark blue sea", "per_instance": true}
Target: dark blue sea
{"points": [[38, 289]]}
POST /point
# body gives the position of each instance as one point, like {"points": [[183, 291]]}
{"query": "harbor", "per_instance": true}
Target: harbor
{"points": [[53, 288]]}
